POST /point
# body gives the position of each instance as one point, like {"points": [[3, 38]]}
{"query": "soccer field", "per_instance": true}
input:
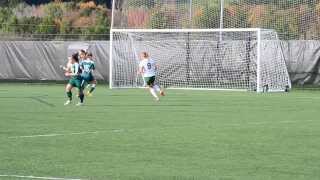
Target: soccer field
{"points": [[188, 135]]}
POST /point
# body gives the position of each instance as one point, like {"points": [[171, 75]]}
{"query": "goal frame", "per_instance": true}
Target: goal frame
{"points": [[257, 30]]}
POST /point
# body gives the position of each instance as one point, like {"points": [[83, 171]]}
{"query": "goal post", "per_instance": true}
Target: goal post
{"points": [[216, 59]]}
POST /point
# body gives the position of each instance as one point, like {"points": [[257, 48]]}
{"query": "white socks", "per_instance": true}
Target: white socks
{"points": [[156, 88], [153, 92]]}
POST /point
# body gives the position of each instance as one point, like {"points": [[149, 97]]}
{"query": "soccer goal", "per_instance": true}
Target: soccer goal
{"points": [[216, 59]]}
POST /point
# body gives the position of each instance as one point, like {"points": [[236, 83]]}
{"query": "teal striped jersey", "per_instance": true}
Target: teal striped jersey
{"points": [[87, 66]]}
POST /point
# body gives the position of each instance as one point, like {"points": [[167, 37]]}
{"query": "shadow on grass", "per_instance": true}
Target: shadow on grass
{"points": [[139, 105]]}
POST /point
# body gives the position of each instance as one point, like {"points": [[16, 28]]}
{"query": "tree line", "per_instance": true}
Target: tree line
{"points": [[90, 19], [57, 19]]}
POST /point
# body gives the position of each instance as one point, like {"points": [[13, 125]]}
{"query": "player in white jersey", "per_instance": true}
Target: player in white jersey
{"points": [[148, 69], [73, 71]]}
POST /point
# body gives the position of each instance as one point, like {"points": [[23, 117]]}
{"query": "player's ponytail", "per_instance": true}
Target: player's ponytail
{"points": [[75, 57]]}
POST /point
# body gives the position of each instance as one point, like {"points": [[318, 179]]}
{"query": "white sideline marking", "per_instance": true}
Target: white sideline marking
{"points": [[35, 177], [66, 134], [121, 130]]}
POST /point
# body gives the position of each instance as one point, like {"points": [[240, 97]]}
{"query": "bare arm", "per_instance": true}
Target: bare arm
{"points": [[140, 70], [64, 68]]}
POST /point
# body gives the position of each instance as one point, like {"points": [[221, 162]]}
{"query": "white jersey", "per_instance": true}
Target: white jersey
{"points": [[149, 67]]}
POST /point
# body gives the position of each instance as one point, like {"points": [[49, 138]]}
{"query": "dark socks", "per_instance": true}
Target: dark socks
{"points": [[92, 89], [69, 95], [81, 96]]}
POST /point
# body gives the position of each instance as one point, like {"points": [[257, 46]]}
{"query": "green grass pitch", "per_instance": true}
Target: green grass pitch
{"points": [[188, 135]]}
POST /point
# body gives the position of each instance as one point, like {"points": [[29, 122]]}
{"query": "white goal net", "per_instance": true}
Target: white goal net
{"points": [[231, 59]]}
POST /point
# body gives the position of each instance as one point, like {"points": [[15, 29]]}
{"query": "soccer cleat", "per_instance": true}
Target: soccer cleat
{"points": [[162, 93], [67, 102], [89, 94], [79, 104], [157, 99]]}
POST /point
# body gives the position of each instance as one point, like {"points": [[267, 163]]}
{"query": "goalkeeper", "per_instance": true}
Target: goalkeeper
{"points": [[148, 69]]}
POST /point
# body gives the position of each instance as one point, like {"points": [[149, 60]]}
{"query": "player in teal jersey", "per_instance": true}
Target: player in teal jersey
{"points": [[74, 72], [87, 66]]}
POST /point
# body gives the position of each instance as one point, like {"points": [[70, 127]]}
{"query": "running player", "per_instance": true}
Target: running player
{"points": [[148, 69], [87, 66], [73, 71]]}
